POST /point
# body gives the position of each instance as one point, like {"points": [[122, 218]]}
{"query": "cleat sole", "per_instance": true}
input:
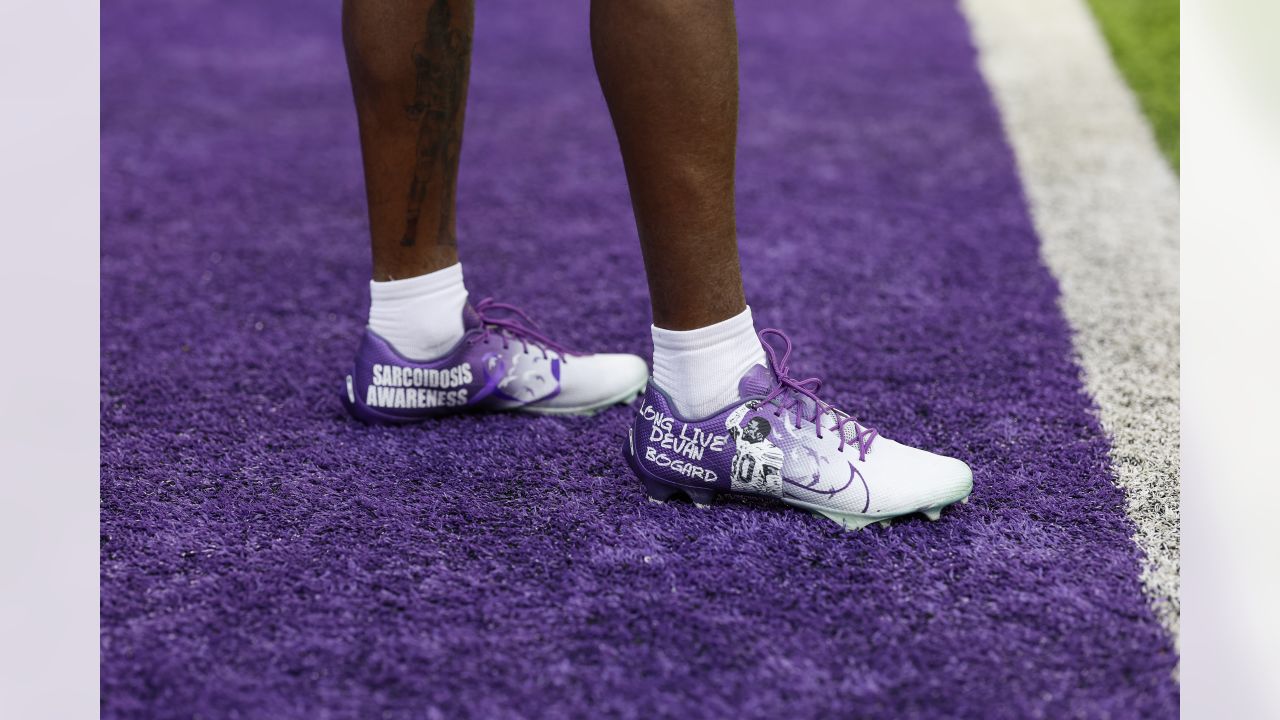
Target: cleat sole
{"points": [[854, 521], [934, 513], [657, 491], [701, 497], [661, 491], [849, 521]]}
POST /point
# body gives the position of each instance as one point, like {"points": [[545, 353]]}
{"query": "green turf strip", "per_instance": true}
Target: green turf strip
{"points": [[1143, 35]]}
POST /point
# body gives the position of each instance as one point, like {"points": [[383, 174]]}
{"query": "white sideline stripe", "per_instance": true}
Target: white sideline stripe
{"points": [[1105, 204]]}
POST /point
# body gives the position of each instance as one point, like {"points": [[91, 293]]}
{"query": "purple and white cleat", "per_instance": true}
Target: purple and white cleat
{"points": [[780, 440], [502, 362]]}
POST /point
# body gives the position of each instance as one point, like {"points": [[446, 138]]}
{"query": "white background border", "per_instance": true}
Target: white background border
{"points": [[49, 226], [1230, 359], [49, 359]]}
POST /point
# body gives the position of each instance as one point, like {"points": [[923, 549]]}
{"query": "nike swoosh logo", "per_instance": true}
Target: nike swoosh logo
{"points": [[853, 474]]}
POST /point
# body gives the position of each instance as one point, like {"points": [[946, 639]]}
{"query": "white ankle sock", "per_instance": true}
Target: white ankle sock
{"points": [[420, 316], [700, 368]]}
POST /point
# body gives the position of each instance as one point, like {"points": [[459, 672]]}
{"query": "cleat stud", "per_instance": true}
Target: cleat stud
{"points": [[885, 523], [658, 491], [848, 522], [965, 500], [933, 513], [700, 497]]}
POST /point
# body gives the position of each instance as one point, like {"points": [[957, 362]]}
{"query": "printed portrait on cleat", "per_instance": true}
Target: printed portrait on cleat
{"points": [[757, 462]]}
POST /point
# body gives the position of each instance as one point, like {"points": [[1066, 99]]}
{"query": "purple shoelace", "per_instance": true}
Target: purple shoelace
{"points": [[786, 389], [509, 321]]}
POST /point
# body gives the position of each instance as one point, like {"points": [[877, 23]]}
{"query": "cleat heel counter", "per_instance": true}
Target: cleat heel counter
{"points": [[660, 483]]}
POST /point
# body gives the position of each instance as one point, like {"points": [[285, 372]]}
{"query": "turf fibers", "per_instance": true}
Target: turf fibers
{"points": [[1143, 37], [264, 556]]}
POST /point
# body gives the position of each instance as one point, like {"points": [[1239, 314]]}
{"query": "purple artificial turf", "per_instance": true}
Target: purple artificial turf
{"points": [[264, 556]]}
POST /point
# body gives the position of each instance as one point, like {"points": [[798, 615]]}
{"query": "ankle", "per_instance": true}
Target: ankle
{"points": [[699, 369], [421, 317]]}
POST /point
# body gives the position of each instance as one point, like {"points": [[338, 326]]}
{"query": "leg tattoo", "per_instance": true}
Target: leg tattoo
{"points": [[441, 68]]}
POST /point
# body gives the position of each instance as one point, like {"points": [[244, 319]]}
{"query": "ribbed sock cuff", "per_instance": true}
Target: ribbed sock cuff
{"points": [[420, 316], [700, 368]]}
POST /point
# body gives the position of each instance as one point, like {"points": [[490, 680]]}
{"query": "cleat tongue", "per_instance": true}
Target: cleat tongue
{"points": [[759, 381], [470, 318], [755, 382]]}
